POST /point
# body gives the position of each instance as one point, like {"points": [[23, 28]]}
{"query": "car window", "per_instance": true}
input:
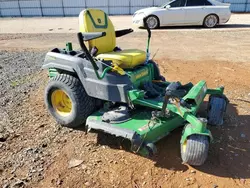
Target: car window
{"points": [[207, 3], [168, 3], [195, 2], [178, 3]]}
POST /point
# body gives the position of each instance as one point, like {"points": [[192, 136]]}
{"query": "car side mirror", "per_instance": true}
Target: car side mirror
{"points": [[167, 6]]}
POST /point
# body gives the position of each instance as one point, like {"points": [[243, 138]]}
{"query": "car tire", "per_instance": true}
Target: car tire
{"points": [[67, 101], [210, 21], [153, 22]]}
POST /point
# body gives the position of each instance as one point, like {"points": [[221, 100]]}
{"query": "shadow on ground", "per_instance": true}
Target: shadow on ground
{"points": [[234, 26], [225, 26], [228, 156], [230, 152]]}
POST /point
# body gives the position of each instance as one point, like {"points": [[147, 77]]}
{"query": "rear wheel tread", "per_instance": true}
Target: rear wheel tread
{"points": [[84, 105], [196, 150], [216, 108]]}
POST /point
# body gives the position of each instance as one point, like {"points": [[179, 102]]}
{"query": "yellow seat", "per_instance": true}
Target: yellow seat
{"points": [[94, 20], [126, 58]]}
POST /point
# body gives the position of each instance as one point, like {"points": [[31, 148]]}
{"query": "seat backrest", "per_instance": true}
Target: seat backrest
{"points": [[94, 20]]}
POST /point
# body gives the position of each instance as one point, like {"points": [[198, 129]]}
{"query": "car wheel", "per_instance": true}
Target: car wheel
{"points": [[210, 21], [153, 22]]}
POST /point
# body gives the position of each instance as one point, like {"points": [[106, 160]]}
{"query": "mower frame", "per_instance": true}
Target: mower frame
{"points": [[158, 117]]}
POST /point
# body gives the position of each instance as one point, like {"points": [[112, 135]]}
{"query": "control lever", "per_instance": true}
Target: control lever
{"points": [[85, 50], [169, 93]]}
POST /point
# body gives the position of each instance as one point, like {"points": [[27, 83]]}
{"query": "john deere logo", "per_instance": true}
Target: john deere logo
{"points": [[99, 20]]}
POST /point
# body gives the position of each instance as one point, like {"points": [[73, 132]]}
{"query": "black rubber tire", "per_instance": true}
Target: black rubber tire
{"points": [[82, 104], [196, 150], [152, 150], [216, 109], [204, 21], [158, 21]]}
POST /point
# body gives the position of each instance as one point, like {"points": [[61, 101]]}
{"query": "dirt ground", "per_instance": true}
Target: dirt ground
{"points": [[36, 152]]}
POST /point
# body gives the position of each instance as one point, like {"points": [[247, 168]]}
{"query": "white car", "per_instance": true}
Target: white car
{"points": [[208, 13]]}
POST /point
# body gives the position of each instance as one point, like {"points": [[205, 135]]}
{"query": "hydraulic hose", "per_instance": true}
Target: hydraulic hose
{"points": [[103, 73]]}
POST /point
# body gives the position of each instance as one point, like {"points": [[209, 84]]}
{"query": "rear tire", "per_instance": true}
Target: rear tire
{"points": [[67, 101], [210, 21], [194, 150], [153, 22], [216, 109]]}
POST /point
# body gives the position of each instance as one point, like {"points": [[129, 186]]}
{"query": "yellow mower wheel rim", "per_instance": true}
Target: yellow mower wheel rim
{"points": [[61, 102], [184, 147]]}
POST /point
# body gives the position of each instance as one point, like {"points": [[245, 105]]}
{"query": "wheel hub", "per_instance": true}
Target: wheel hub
{"points": [[211, 21], [61, 102], [184, 147], [151, 22]]}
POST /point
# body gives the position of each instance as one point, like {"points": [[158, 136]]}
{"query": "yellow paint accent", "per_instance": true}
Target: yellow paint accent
{"points": [[141, 74], [118, 70], [157, 81], [184, 147], [125, 58], [61, 102], [106, 45]]}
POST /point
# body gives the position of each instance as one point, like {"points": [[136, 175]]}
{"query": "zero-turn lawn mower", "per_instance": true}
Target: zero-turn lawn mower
{"points": [[121, 92]]}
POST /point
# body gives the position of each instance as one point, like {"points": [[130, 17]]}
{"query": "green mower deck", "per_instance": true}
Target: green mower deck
{"points": [[144, 127]]}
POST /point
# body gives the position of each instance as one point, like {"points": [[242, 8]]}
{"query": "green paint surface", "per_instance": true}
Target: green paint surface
{"points": [[104, 26], [150, 130]]}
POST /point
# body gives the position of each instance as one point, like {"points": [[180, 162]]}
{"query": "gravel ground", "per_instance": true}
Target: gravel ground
{"points": [[17, 68], [18, 71]]}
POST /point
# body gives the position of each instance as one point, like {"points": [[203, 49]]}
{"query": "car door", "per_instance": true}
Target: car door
{"points": [[195, 11], [174, 13]]}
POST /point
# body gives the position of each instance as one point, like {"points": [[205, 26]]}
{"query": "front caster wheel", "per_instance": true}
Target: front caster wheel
{"points": [[217, 106], [194, 150], [151, 148], [148, 150]]}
